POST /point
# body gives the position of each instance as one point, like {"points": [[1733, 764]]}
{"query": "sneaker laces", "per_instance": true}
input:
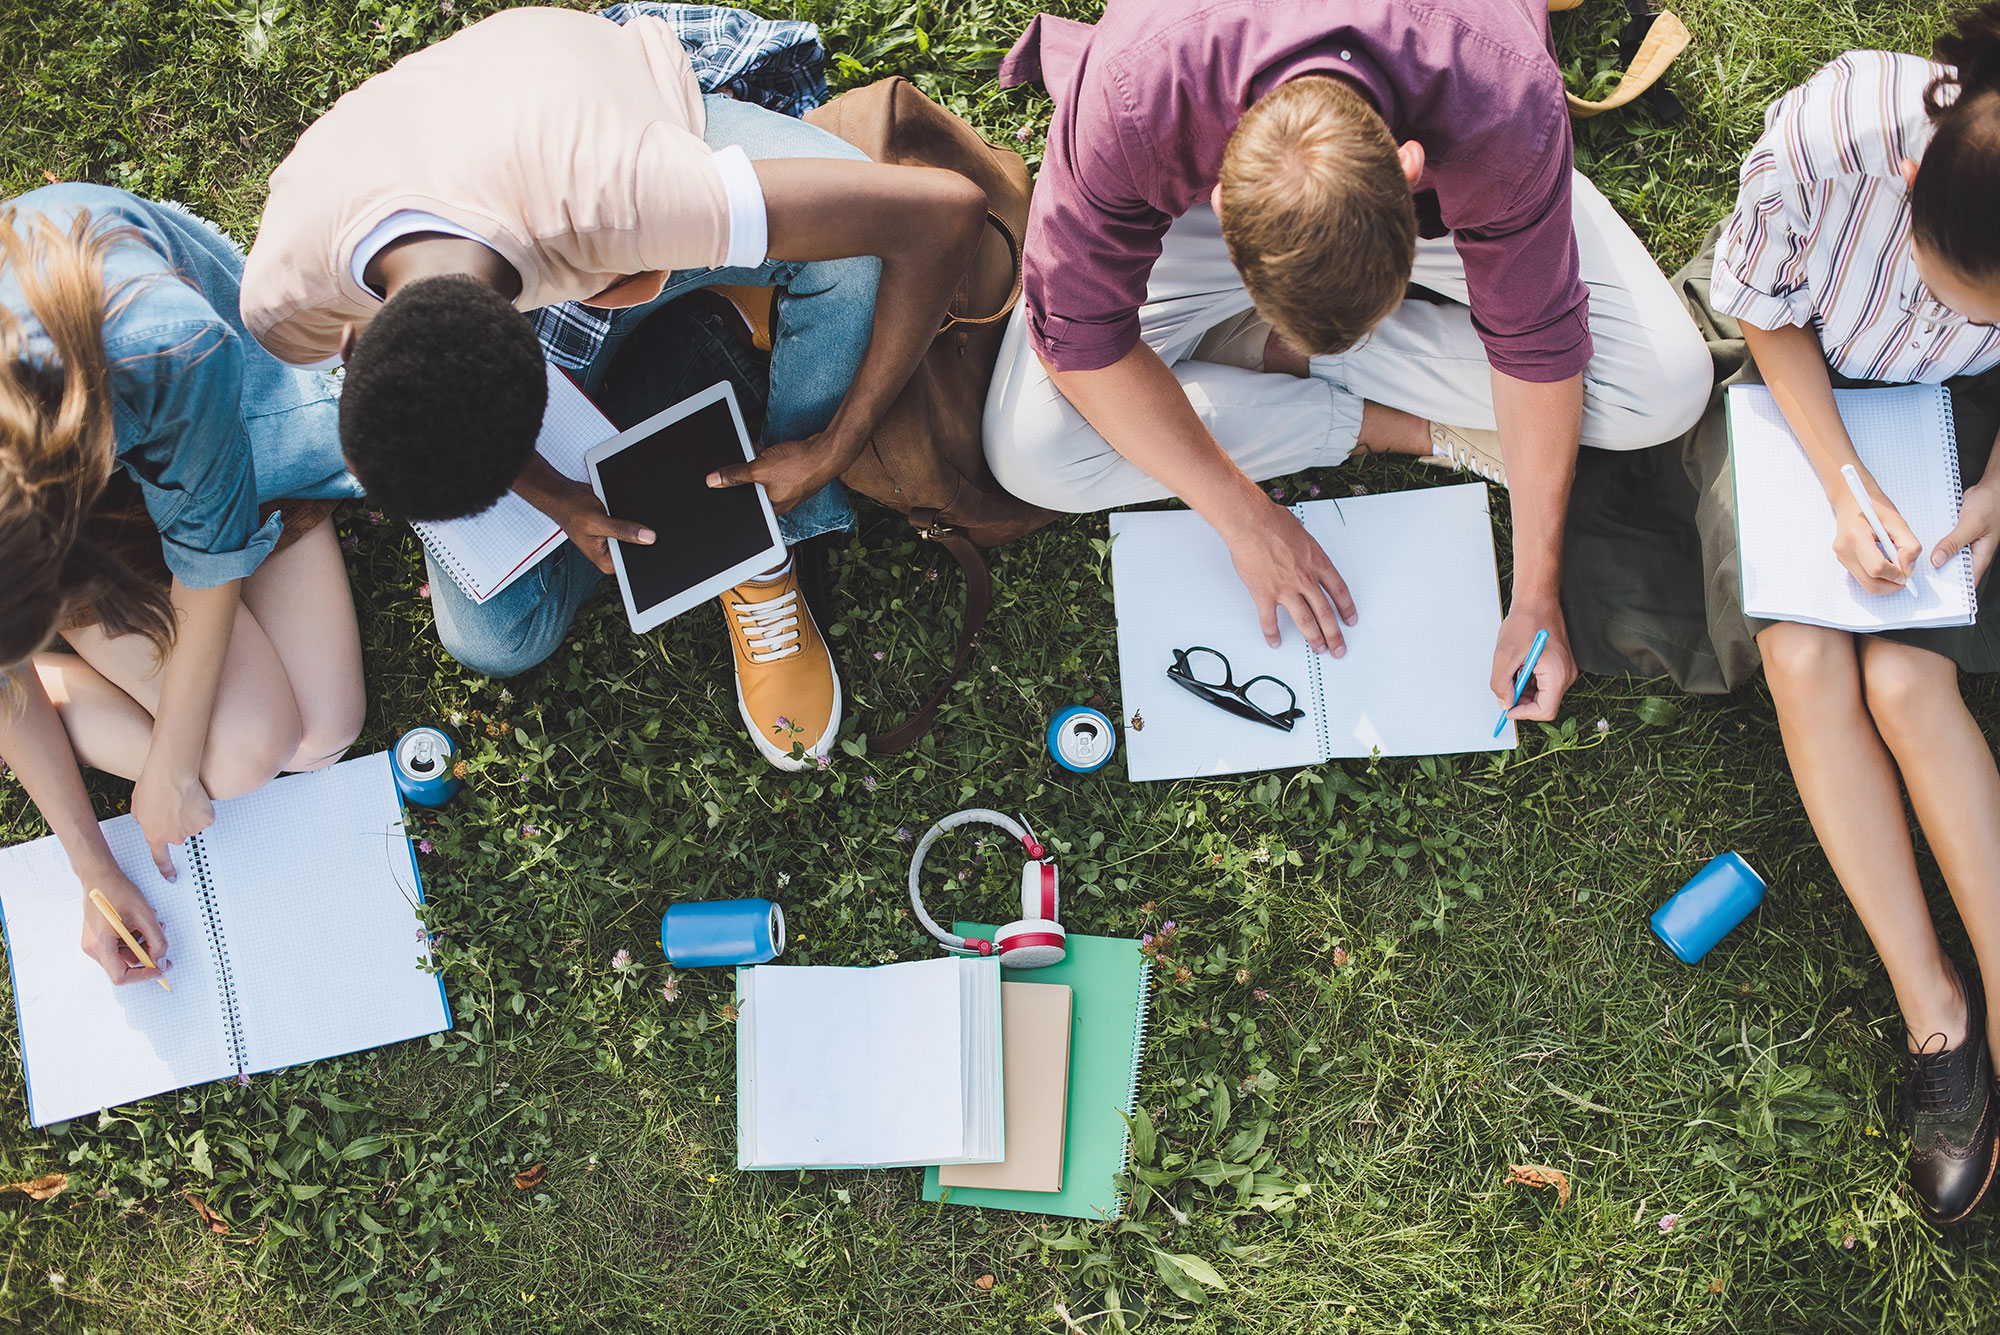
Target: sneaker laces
{"points": [[770, 628]]}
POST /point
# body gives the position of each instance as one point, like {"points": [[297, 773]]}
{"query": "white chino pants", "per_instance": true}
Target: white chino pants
{"points": [[1648, 379]]}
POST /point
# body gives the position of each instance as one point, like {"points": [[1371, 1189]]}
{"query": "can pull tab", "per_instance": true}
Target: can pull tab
{"points": [[422, 759]]}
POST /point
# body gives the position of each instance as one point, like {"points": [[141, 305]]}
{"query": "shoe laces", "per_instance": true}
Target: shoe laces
{"points": [[1930, 1074], [771, 627], [1462, 457]]}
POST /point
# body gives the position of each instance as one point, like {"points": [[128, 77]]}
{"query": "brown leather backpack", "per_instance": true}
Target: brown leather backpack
{"points": [[927, 458]]}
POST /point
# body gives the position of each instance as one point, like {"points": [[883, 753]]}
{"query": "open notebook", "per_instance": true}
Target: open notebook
{"points": [[869, 1068], [486, 552], [1415, 677], [1908, 440], [292, 929]]}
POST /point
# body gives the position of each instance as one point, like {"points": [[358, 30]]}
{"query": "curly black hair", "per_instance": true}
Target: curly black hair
{"points": [[443, 399]]}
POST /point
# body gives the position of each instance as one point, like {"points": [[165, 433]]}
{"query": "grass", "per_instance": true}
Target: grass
{"points": [[1454, 953]]}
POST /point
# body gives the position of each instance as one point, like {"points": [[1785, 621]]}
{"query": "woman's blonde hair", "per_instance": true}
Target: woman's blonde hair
{"points": [[56, 444]]}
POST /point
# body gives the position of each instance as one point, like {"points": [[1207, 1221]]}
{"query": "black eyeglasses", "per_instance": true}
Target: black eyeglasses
{"points": [[1207, 674]]}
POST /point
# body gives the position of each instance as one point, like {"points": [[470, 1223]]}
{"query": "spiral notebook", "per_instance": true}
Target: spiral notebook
{"points": [[293, 932], [1110, 982], [1908, 439], [1415, 678], [486, 552]]}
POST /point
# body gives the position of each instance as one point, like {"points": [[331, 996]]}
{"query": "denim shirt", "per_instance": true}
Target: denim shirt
{"points": [[208, 423]]}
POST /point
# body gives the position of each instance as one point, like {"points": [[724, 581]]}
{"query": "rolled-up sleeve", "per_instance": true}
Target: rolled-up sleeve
{"points": [[1092, 242], [181, 435], [1760, 262], [1522, 272]]}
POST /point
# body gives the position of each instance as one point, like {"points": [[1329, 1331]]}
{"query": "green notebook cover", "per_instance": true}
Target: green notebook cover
{"points": [[1108, 977]]}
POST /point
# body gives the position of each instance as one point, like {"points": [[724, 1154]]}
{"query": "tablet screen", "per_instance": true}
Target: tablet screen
{"points": [[661, 482]]}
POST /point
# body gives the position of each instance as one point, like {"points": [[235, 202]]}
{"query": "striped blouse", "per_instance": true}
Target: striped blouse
{"points": [[1821, 232]]}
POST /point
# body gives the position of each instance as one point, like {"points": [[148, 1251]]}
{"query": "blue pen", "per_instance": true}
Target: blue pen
{"points": [[1522, 678]]}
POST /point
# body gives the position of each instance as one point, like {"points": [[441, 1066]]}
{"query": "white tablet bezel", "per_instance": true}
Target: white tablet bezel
{"points": [[647, 618]]}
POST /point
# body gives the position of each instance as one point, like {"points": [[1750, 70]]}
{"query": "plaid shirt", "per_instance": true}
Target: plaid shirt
{"points": [[778, 64]]}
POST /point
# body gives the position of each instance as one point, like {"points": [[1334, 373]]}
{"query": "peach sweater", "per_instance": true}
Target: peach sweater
{"points": [[571, 145]]}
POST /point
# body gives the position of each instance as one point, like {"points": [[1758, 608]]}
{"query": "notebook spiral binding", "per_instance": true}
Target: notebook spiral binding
{"points": [[1315, 681], [444, 556], [211, 916], [1132, 1088], [1958, 494]]}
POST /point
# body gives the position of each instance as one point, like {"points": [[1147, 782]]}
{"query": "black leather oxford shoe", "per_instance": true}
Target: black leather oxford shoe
{"points": [[1949, 1106]]}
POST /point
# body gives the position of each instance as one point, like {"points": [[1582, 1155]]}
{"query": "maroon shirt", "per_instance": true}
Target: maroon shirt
{"points": [[1146, 101]]}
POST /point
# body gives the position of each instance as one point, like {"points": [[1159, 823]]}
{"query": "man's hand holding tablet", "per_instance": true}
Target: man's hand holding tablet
{"points": [[705, 541]]}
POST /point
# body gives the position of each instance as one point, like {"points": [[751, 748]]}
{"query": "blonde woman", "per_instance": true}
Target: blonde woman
{"points": [[160, 619]]}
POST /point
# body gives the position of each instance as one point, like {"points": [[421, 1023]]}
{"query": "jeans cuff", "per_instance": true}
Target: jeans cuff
{"points": [[828, 510]]}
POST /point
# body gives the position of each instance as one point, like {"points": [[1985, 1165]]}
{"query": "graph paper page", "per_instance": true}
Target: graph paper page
{"points": [[1785, 526], [1416, 679], [85, 1043], [1176, 589], [319, 910]]}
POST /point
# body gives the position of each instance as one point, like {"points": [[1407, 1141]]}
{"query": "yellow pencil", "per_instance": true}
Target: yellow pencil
{"points": [[125, 934]]}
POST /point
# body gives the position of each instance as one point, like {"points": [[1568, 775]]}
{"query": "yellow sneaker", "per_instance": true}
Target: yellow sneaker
{"points": [[786, 688], [1469, 449]]}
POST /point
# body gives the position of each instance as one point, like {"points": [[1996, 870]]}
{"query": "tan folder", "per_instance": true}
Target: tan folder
{"points": [[1034, 1043]]}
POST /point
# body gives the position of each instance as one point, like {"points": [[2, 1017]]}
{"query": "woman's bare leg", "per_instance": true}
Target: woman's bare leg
{"points": [[300, 598], [1947, 765], [1854, 797]]}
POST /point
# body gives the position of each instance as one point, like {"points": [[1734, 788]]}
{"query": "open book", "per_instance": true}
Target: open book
{"points": [[293, 932], [1414, 680], [486, 552], [886, 1067], [1908, 439]]}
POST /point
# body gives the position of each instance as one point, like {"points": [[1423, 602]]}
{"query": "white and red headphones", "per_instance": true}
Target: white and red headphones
{"points": [[1031, 943]]}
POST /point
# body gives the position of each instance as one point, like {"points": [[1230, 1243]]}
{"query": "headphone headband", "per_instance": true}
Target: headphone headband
{"points": [[960, 945]]}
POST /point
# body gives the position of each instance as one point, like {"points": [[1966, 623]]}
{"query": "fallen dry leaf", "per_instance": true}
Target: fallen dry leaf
{"points": [[529, 1178], [216, 1223], [983, 1282], [45, 1188], [1717, 1285], [51, 177], [1535, 1175]]}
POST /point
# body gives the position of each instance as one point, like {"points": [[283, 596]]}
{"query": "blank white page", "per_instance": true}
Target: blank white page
{"points": [[1785, 526], [814, 1074], [919, 1059], [85, 1043], [851, 1067], [319, 898], [486, 552], [1175, 588], [1416, 677]]}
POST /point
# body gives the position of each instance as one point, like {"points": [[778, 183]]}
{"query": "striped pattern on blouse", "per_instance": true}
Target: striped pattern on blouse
{"points": [[1821, 232]]}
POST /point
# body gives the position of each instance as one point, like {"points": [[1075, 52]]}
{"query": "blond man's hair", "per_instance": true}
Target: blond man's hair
{"points": [[1317, 213]]}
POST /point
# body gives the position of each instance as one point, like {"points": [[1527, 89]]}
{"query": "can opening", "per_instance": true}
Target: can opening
{"points": [[777, 931]]}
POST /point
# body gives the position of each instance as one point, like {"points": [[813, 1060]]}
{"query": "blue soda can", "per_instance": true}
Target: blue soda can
{"points": [[1708, 907], [423, 759], [723, 931], [1081, 739]]}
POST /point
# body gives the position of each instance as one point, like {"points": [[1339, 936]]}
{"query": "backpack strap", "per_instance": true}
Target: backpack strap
{"points": [[1665, 37], [978, 602]]}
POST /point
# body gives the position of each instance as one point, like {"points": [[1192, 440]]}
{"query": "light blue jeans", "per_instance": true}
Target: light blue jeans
{"points": [[824, 318]]}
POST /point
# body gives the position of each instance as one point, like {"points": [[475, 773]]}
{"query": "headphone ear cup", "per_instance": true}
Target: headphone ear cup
{"points": [[1040, 890], [1032, 943]]}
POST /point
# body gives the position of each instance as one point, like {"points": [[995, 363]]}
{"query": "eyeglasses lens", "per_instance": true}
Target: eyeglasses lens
{"points": [[1207, 667], [1268, 694]]}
